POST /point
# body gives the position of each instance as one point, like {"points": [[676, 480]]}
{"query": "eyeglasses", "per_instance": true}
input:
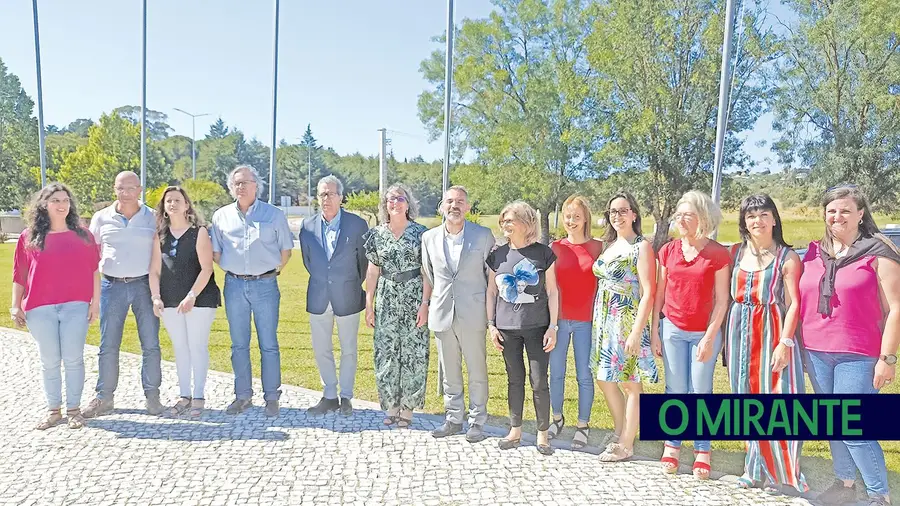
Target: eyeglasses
{"points": [[683, 216], [325, 195], [173, 248], [241, 184], [396, 198], [619, 212], [849, 186], [507, 222]]}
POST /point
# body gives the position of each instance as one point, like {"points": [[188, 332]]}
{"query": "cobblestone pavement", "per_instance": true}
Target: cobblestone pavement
{"points": [[129, 457]]}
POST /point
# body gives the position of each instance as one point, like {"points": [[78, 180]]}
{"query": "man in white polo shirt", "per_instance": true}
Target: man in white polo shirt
{"points": [[125, 232]]}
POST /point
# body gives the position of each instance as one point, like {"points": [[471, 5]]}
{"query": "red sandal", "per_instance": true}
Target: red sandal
{"points": [[670, 464], [701, 470]]}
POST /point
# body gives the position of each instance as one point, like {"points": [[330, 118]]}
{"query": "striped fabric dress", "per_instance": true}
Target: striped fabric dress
{"points": [[753, 331]]}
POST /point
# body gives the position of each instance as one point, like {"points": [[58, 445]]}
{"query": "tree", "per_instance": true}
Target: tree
{"points": [[157, 128], [79, 127], [521, 100], [838, 109], [658, 63], [364, 203], [114, 145], [19, 150], [217, 130]]}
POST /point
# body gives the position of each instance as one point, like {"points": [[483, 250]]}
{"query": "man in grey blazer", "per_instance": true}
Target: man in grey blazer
{"points": [[453, 258], [332, 246]]}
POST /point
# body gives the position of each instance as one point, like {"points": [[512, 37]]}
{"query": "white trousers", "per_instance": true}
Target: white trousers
{"points": [[190, 340], [322, 327]]}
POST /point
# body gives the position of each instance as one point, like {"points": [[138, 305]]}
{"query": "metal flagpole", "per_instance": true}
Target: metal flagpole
{"points": [[724, 100], [144, 105], [274, 107], [40, 95], [448, 82]]}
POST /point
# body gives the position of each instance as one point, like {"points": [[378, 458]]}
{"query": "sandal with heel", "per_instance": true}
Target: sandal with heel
{"points": [[556, 427], [701, 470], [580, 439], [670, 464]]}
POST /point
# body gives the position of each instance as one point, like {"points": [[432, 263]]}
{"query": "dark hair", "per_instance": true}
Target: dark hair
{"points": [[867, 226], [761, 202], [38, 218], [610, 235], [162, 217]]}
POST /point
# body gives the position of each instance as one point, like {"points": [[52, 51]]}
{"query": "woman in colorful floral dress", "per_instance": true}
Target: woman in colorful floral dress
{"points": [[621, 355], [397, 306], [763, 357]]}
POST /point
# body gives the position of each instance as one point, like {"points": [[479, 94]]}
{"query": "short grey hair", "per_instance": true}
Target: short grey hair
{"points": [[260, 184], [412, 210], [459, 188], [332, 179]]}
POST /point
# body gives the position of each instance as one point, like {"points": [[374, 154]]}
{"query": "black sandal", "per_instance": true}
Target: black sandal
{"points": [[577, 442], [556, 427]]}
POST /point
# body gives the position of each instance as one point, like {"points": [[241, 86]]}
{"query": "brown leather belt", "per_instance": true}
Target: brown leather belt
{"points": [[254, 277]]}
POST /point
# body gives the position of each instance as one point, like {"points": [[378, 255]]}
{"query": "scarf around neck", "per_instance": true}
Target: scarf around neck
{"points": [[862, 247]]}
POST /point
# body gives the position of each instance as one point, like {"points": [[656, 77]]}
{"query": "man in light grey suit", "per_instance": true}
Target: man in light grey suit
{"points": [[332, 246], [453, 258]]}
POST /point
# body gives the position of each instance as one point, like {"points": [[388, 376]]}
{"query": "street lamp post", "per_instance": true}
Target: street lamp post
{"points": [[193, 138], [274, 105], [448, 82]]}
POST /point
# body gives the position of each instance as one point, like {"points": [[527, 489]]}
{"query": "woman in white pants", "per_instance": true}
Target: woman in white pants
{"points": [[185, 294]]}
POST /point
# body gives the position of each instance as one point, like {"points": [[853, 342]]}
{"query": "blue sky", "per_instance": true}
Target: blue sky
{"points": [[348, 68]]}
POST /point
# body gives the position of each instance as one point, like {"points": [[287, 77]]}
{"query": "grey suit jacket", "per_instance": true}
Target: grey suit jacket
{"points": [[463, 292], [337, 281]]}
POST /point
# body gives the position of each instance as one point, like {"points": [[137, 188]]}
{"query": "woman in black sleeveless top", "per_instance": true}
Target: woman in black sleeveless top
{"points": [[185, 294]]}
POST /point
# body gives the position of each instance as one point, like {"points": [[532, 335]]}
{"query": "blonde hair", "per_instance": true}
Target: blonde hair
{"points": [[412, 206], [578, 200], [525, 214], [709, 216]]}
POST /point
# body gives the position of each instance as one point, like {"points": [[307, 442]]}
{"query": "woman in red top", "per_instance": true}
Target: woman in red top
{"points": [[577, 286], [693, 294], [56, 292]]}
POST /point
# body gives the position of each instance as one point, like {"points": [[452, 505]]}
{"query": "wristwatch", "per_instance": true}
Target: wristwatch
{"points": [[555, 327], [191, 294], [889, 359], [492, 323], [787, 341]]}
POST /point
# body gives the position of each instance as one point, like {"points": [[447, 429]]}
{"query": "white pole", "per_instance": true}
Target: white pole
{"points": [[724, 100], [309, 193], [274, 107], [144, 106], [40, 95], [448, 86], [193, 138], [382, 161]]}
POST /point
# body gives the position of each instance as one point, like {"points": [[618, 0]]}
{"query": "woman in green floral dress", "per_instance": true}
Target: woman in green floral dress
{"points": [[397, 306]]}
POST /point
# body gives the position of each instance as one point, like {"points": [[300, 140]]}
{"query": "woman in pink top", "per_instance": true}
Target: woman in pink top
{"points": [[850, 322], [56, 292]]}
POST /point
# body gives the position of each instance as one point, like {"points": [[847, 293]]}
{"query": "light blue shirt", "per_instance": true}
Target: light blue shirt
{"points": [[250, 244], [330, 233], [125, 244]]}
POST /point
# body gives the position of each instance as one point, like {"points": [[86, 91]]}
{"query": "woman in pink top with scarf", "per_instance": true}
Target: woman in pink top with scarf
{"points": [[850, 319]]}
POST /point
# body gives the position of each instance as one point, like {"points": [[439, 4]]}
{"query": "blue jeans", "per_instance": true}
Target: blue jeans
{"points": [[684, 374], [849, 373], [60, 331], [580, 334], [115, 299], [259, 298]]}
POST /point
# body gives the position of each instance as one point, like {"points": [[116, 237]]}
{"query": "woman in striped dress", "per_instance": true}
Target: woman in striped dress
{"points": [[762, 355]]}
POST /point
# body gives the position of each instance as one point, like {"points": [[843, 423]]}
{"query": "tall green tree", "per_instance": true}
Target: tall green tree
{"points": [[19, 151], [838, 106], [522, 98], [658, 63], [114, 145], [217, 130], [157, 126]]}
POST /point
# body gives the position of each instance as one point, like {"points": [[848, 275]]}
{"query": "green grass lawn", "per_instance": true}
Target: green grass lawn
{"points": [[299, 368]]}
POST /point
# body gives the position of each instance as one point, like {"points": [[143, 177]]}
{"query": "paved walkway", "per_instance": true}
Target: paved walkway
{"points": [[129, 457]]}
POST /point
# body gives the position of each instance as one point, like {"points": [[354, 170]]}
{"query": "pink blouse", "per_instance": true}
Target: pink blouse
{"points": [[857, 320]]}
